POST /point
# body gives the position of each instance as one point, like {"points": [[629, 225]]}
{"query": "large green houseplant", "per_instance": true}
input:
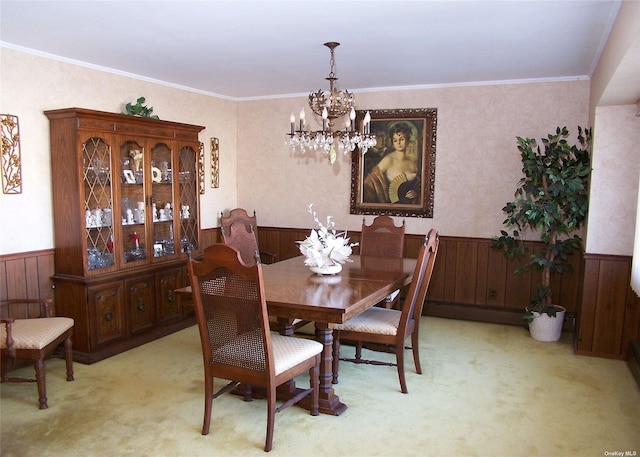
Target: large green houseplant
{"points": [[552, 200]]}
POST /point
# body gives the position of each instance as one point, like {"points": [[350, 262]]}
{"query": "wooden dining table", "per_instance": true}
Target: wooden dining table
{"points": [[293, 292]]}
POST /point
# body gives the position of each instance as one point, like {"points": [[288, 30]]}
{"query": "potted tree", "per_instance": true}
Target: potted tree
{"points": [[552, 200]]}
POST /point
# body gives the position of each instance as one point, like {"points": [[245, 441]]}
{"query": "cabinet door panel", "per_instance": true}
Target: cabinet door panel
{"points": [[106, 312], [133, 242], [188, 194], [98, 203], [140, 303], [169, 307], [162, 201]]}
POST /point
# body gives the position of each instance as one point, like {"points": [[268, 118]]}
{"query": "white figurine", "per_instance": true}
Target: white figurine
{"points": [[185, 211], [129, 216], [167, 210], [97, 217]]}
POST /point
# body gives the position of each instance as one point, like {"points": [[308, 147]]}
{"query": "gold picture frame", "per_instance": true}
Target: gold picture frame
{"points": [[396, 177]]}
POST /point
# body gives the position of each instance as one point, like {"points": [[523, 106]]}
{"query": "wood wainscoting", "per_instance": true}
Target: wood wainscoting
{"points": [[471, 281], [27, 275], [610, 309]]}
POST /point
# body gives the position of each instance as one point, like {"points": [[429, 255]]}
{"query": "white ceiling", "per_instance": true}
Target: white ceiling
{"points": [[254, 49]]}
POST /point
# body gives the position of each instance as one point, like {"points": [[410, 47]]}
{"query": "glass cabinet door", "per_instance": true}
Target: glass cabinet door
{"points": [[98, 203], [133, 242], [188, 194], [162, 202]]}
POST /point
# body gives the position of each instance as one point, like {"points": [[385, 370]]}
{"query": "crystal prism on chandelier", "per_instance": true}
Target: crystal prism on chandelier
{"points": [[330, 106]]}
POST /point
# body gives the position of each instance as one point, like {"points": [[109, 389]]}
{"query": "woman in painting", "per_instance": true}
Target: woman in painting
{"points": [[395, 178]]}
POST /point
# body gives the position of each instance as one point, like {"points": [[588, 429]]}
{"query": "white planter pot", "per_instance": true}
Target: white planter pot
{"points": [[327, 270], [547, 328]]}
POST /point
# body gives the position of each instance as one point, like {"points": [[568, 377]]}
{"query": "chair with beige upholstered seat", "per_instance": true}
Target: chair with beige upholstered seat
{"points": [[33, 338], [237, 342], [387, 329]]}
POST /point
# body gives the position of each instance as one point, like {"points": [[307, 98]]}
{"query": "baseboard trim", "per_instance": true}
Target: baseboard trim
{"points": [[485, 314], [474, 313]]}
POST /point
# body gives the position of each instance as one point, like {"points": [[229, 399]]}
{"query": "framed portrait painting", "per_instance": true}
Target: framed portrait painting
{"points": [[396, 176]]}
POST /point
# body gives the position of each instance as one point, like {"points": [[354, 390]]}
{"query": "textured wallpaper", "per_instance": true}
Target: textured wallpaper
{"points": [[614, 183], [477, 162]]}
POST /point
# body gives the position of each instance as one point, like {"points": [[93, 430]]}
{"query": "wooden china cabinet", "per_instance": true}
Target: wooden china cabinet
{"points": [[126, 213]]}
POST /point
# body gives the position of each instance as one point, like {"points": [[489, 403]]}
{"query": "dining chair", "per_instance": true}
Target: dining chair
{"points": [[240, 214], [29, 331], [386, 330], [244, 240], [383, 239], [237, 343], [238, 236]]}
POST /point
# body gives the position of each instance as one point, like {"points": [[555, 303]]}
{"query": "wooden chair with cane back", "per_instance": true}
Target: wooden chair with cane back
{"points": [[237, 342]]}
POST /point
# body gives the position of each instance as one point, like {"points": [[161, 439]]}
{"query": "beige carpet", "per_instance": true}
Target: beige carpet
{"points": [[487, 390]]}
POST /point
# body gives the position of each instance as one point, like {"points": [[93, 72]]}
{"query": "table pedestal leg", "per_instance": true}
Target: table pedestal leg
{"points": [[329, 401]]}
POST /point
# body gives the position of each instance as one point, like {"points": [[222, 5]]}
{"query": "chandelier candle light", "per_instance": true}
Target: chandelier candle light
{"points": [[331, 105], [325, 249]]}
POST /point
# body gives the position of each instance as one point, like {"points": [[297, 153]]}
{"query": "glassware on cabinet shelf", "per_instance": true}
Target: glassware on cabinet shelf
{"points": [[98, 259], [137, 251], [98, 203]]}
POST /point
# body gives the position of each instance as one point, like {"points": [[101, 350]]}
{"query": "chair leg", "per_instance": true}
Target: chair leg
{"points": [[416, 351], [400, 363], [358, 350], [271, 418], [208, 404], [248, 393], [68, 355], [42, 384], [336, 357]]}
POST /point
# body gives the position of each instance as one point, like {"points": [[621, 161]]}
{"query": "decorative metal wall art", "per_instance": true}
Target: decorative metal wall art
{"points": [[201, 168], [11, 159], [215, 166]]}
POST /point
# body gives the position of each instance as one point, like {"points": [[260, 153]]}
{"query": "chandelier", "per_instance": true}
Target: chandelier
{"points": [[331, 105]]}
